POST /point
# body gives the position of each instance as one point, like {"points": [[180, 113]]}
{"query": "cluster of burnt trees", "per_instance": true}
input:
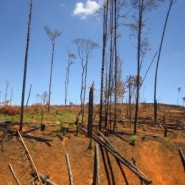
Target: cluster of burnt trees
{"points": [[111, 84], [112, 87]]}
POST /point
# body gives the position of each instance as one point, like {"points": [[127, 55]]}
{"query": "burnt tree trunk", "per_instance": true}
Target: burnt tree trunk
{"points": [[90, 114], [25, 66], [158, 59]]}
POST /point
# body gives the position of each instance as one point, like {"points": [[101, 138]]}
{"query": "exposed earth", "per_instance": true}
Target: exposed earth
{"points": [[157, 157]]}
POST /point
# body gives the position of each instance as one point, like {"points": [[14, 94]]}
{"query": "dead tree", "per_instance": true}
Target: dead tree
{"points": [[158, 59], [71, 56], [108, 94], [140, 7], [52, 36], [105, 32], [25, 66], [84, 49], [90, 115]]}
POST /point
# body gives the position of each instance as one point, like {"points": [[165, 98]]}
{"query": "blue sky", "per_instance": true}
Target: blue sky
{"points": [[77, 19]]}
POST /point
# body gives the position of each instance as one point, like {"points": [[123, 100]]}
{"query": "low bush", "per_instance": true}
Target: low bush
{"points": [[133, 140], [10, 110]]}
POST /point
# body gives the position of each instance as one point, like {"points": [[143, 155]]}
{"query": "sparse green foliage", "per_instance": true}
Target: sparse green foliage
{"points": [[168, 140], [133, 139], [77, 134]]}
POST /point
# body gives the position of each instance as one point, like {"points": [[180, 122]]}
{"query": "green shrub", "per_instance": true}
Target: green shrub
{"points": [[133, 139], [77, 134]]}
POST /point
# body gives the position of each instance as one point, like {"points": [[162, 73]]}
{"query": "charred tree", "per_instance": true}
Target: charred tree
{"points": [[105, 26], [141, 7], [158, 60], [25, 66], [90, 114]]}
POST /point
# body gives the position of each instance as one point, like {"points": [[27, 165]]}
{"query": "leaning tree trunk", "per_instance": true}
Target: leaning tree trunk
{"points": [[158, 59]]}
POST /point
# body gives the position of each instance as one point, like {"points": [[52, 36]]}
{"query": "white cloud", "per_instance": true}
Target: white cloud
{"points": [[90, 7]]}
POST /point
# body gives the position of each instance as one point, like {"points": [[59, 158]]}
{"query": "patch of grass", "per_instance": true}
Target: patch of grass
{"points": [[65, 116], [168, 139], [77, 134], [37, 112], [5, 117], [33, 140]]}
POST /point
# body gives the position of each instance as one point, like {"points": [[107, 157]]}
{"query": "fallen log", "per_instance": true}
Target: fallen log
{"points": [[31, 130], [121, 137], [174, 124], [97, 165], [4, 124], [128, 132], [52, 124], [7, 126], [36, 138], [117, 155], [13, 173], [182, 156], [125, 162], [122, 171], [69, 169], [44, 178], [41, 139], [29, 157], [135, 163], [5, 131], [60, 137], [174, 128]]}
